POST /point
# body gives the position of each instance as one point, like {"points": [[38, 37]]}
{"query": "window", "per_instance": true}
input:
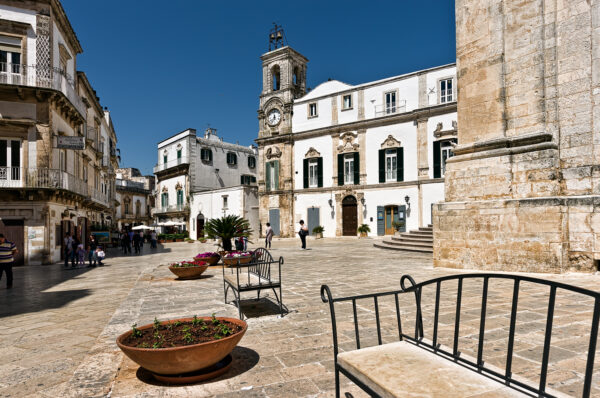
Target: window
{"points": [[446, 149], [391, 165], [179, 198], [126, 207], [347, 102], [442, 151], [390, 102], [165, 158], [10, 59], [138, 208], [85, 172], [164, 200], [206, 155], [272, 175], [349, 168], [248, 180], [251, 162], [179, 154], [313, 173], [231, 158], [10, 160], [62, 163], [296, 76], [225, 197], [312, 110], [275, 75], [446, 91]]}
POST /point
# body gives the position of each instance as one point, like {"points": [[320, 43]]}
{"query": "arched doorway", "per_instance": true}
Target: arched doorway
{"points": [[200, 225], [349, 216]]}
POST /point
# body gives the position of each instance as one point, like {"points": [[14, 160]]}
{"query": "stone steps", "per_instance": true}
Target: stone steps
{"points": [[420, 241]]}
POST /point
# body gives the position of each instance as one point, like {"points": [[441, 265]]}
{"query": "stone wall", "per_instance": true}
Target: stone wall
{"points": [[522, 190]]}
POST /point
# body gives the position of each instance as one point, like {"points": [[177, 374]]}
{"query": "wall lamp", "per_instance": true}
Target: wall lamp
{"points": [[330, 203], [407, 200], [362, 200]]}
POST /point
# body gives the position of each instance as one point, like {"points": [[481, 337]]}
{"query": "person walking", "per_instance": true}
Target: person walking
{"points": [[153, 238], [81, 252], [268, 236], [68, 246], [303, 232], [92, 252], [141, 239], [73, 252], [136, 243], [7, 258]]}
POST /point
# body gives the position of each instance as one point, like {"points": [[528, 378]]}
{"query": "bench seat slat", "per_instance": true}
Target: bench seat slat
{"points": [[254, 281], [402, 369]]}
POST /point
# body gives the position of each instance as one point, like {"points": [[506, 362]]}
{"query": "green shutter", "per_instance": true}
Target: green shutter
{"points": [[380, 221], [400, 164], [305, 172], [382, 165], [437, 157], [268, 174], [340, 169], [276, 171], [356, 168], [320, 172]]}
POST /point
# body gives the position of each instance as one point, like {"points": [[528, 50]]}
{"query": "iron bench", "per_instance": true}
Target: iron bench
{"points": [[254, 276], [415, 365]]}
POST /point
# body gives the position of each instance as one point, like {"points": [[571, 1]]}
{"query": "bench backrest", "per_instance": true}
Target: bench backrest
{"points": [[453, 353], [261, 264]]}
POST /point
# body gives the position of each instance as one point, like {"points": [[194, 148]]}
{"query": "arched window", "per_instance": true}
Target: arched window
{"points": [[251, 162], [296, 77], [138, 208], [276, 77]]}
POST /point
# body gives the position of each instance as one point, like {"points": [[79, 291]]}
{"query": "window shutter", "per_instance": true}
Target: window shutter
{"points": [[340, 169], [268, 174], [305, 172], [400, 164], [253, 179], [437, 156], [242, 182], [382, 165], [320, 172], [276, 171], [380, 221], [356, 168], [209, 155]]}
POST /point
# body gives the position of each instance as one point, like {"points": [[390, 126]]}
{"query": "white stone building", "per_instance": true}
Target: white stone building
{"points": [[190, 168], [342, 155], [134, 196]]}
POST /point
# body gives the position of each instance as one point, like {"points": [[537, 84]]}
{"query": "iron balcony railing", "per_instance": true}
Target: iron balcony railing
{"points": [[390, 108], [171, 163], [170, 209], [34, 76], [22, 177]]}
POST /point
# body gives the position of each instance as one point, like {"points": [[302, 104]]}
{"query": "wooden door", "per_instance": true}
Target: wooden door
{"points": [[14, 230], [349, 216], [391, 215], [200, 227]]}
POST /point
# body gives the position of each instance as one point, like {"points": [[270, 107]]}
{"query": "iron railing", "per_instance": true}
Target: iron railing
{"points": [[453, 353], [34, 76], [390, 108], [173, 208], [171, 163]]}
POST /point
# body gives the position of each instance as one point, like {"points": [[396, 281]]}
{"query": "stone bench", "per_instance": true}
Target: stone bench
{"points": [[416, 366], [255, 276]]}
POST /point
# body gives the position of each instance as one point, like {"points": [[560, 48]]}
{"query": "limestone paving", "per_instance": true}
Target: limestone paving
{"points": [[58, 329]]}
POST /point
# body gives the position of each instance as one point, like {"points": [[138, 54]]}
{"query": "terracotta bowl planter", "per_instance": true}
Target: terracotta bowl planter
{"points": [[179, 360], [188, 272], [234, 260], [211, 260]]}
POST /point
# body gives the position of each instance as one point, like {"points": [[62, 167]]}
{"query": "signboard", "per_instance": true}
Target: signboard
{"points": [[69, 142]]}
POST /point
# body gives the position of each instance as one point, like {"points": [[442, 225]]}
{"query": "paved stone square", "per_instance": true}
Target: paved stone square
{"points": [[59, 326]]}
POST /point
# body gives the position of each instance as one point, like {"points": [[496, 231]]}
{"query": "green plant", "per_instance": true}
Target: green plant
{"points": [[318, 229], [227, 228], [364, 229], [214, 319], [157, 344], [156, 324], [197, 321], [398, 224], [135, 331], [177, 323]]}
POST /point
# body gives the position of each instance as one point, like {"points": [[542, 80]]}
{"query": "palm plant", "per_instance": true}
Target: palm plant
{"points": [[227, 228]]}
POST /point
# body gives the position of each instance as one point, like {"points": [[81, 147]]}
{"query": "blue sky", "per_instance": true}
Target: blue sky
{"points": [[161, 67]]}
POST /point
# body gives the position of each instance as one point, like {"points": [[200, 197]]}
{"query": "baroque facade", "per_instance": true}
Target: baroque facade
{"points": [[57, 144], [523, 191], [134, 197], [342, 155], [203, 177]]}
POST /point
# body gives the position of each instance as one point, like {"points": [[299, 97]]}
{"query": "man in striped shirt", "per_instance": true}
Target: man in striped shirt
{"points": [[7, 252]]}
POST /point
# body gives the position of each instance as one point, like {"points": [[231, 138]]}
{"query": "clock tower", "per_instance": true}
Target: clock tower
{"points": [[284, 79]]}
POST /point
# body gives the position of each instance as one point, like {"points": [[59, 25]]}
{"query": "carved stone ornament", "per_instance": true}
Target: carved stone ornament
{"points": [[273, 152], [390, 142], [312, 153], [178, 186], [165, 189], [440, 132], [348, 143]]}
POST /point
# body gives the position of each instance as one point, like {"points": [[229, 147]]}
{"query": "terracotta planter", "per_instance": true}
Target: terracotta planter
{"points": [[179, 360], [234, 260], [364, 234], [211, 260], [318, 235], [161, 241], [188, 272], [178, 240]]}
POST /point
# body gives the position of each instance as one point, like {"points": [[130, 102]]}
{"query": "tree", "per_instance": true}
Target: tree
{"points": [[227, 228]]}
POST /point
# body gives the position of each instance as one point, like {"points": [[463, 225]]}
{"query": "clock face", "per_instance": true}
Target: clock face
{"points": [[274, 117]]}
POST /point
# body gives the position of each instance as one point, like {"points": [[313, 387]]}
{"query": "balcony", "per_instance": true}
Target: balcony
{"points": [[50, 78], [391, 108], [184, 160], [172, 209], [43, 178], [134, 186]]}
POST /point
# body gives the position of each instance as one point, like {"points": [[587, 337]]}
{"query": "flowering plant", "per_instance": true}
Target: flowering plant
{"points": [[207, 255], [236, 254], [181, 264]]}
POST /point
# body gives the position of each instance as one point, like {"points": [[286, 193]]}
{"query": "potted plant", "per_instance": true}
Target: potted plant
{"points": [[364, 230], [235, 257], [318, 231], [180, 346], [398, 225], [188, 269], [211, 258], [226, 228], [161, 238]]}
